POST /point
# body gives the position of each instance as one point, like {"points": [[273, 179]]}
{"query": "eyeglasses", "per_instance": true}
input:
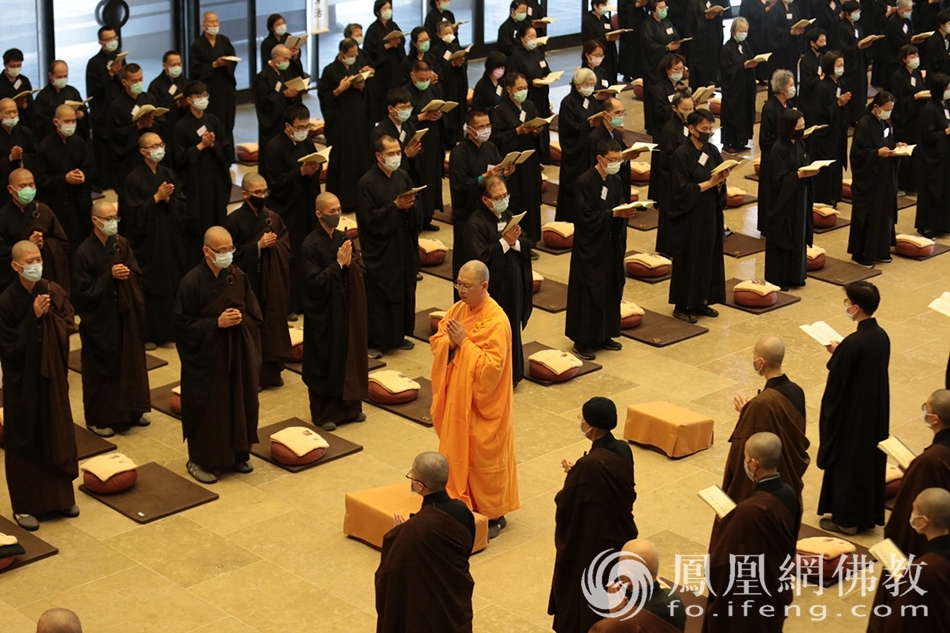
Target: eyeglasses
{"points": [[156, 146], [230, 249], [261, 193], [413, 479], [460, 286], [109, 218]]}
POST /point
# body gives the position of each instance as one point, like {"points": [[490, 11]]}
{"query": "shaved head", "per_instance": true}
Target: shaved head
{"points": [[217, 237], [327, 201], [934, 503], [766, 448], [939, 402], [148, 139], [647, 552], [771, 349], [19, 176], [209, 16], [251, 180], [103, 209], [65, 112], [280, 51], [58, 621], [8, 107], [477, 269], [23, 250], [432, 469]]}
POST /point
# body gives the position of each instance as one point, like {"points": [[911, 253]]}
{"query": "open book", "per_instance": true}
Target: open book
{"points": [[122, 55], [639, 204], [619, 32], [418, 135], [458, 54], [25, 93], [822, 332], [920, 37], [907, 150], [717, 499], [682, 41], [392, 35], [724, 165], [890, 556], [75, 105], [546, 20], [638, 147], [811, 130], [455, 25], [702, 94], [550, 79], [714, 9], [514, 221], [538, 121], [612, 90], [596, 115], [231, 58], [317, 157], [296, 41], [761, 58], [802, 24], [941, 304], [516, 158], [816, 165], [366, 74], [543, 41], [922, 94], [437, 105], [898, 451], [297, 83], [413, 190], [869, 39], [139, 111]]}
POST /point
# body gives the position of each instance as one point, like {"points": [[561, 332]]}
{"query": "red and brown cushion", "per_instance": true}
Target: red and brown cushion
{"points": [[846, 188], [434, 319], [536, 280], [558, 234], [431, 252], [1, 424], [755, 294], [247, 153], [391, 387], [824, 216], [757, 165], [814, 258], [113, 485], [647, 265], [638, 89], [914, 246], [715, 105], [634, 194], [555, 153], [735, 196], [554, 365], [317, 127], [631, 315], [176, 399], [297, 446], [296, 345], [109, 474], [348, 226], [639, 171], [830, 567]]}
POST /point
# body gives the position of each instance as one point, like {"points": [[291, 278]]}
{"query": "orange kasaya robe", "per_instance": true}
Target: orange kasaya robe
{"points": [[473, 406]]}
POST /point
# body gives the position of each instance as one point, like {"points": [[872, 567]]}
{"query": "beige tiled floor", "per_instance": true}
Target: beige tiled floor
{"points": [[270, 556]]}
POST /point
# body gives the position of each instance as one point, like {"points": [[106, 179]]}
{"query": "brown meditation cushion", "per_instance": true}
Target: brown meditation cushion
{"points": [[541, 372], [638, 269], [6, 562], [247, 153], [431, 259], [815, 264], [735, 198], [555, 153], [751, 299], [639, 171], [284, 455], [535, 288], [846, 189], [380, 395], [296, 353], [909, 249], [638, 89], [434, 319], [113, 485], [176, 403], [757, 165], [891, 488], [824, 221], [715, 105], [553, 239], [631, 321], [830, 567]]}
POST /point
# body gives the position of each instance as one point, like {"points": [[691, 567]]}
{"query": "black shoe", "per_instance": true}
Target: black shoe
{"points": [[883, 260], [534, 255], [373, 352], [71, 512], [860, 261], [683, 315], [274, 385], [926, 233], [243, 467], [359, 417], [406, 344], [495, 527], [292, 317], [27, 521], [430, 227], [584, 352], [142, 420], [726, 232], [783, 288], [706, 311], [612, 345], [150, 346]]}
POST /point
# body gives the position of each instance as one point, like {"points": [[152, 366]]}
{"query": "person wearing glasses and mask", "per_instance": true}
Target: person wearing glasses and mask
{"points": [[107, 295], [594, 26], [57, 92], [262, 251], [154, 219], [217, 323]]}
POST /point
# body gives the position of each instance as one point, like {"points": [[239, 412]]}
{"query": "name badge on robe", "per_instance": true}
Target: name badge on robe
{"points": [[17, 84], [708, 4], [603, 193], [857, 35], [172, 89], [607, 26], [913, 81], [498, 90], [135, 110], [838, 93], [831, 5], [530, 11], [741, 52], [586, 103], [904, 28], [887, 131], [521, 116], [402, 136], [669, 30], [514, 33], [703, 159], [447, 55], [789, 16], [501, 226], [604, 82], [277, 87], [543, 64], [946, 113], [685, 131], [201, 131]]}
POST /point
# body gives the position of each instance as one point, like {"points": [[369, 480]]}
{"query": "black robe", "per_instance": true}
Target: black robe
{"points": [[390, 249], [674, 134], [270, 103], [630, 16], [510, 281], [123, 154], [222, 95], [72, 204], [898, 32], [103, 88], [219, 366], [204, 177], [267, 54], [855, 416], [873, 190], [487, 94], [44, 109], [597, 136], [595, 27], [934, 54], [807, 79], [524, 185], [905, 118], [789, 222], [10, 88], [738, 93], [434, 17], [508, 39], [827, 14], [430, 161], [573, 133], [166, 91], [467, 163], [933, 194], [39, 442], [292, 197], [594, 514], [768, 134], [115, 390], [706, 47], [16, 225], [786, 48], [454, 82], [754, 12], [404, 133], [830, 142], [347, 131], [405, 67], [654, 38], [699, 276], [22, 137], [156, 233], [595, 285], [386, 62], [661, 94], [855, 76], [533, 65]]}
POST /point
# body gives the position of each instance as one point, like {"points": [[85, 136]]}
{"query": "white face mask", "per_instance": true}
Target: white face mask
{"points": [[67, 129], [847, 310], [449, 38], [483, 135], [11, 122], [839, 70], [748, 471], [885, 115], [60, 82], [33, 272], [300, 135], [946, 95], [913, 62], [111, 45], [280, 30], [500, 206], [212, 30], [612, 168], [914, 517], [741, 35], [586, 91], [791, 92], [174, 72], [392, 163], [157, 154], [109, 227], [676, 77], [14, 71], [223, 260], [200, 103], [349, 61], [359, 40]]}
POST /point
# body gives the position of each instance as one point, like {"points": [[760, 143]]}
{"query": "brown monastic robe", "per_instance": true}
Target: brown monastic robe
{"points": [[423, 582], [39, 442], [16, 225], [642, 622], [922, 608]]}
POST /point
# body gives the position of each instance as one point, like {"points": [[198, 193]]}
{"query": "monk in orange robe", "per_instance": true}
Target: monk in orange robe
{"points": [[473, 400]]}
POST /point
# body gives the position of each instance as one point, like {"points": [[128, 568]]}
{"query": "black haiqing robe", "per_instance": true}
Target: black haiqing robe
{"points": [[738, 93], [533, 65], [789, 222], [919, 606], [595, 27], [430, 161], [508, 38], [754, 12], [907, 110], [654, 38], [466, 163], [219, 366], [72, 204], [674, 134], [827, 14], [124, 133], [661, 94], [403, 134], [16, 225], [807, 78], [390, 249], [573, 133], [10, 88], [934, 54], [830, 142], [22, 137], [594, 514], [699, 276], [434, 17], [524, 185], [706, 47], [488, 94], [768, 134], [348, 126], [44, 109], [630, 16], [39, 443], [270, 103], [268, 272], [785, 47], [334, 342], [164, 90], [873, 190], [103, 88], [386, 62], [855, 76], [855, 416], [510, 280], [898, 32], [222, 95], [424, 557], [115, 389], [156, 233], [597, 136], [933, 193], [454, 81], [595, 285]]}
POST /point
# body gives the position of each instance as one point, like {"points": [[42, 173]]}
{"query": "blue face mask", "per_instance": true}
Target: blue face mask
{"points": [[531, 44], [422, 85], [662, 13], [616, 121], [26, 195], [424, 46]]}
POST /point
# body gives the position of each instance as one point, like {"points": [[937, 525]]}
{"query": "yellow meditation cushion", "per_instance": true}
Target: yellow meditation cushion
{"points": [[564, 229], [248, 152], [554, 365], [296, 336], [827, 547], [735, 196], [639, 167], [431, 252], [824, 209], [813, 252]]}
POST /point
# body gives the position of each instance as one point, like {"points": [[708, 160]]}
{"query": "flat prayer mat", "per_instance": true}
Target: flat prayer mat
{"points": [[904, 202], [338, 446], [443, 270], [544, 248], [555, 122], [630, 137], [97, 195], [418, 410], [549, 194], [646, 220], [840, 223], [297, 368], [842, 273], [422, 329], [660, 330], [939, 249], [784, 299], [157, 493], [445, 215], [88, 444], [646, 280], [861, 553], [552, 297], [534, 347], [151, 362], [36, 548], [236, 195], [741, 245], [754, 177], [161, 399]]}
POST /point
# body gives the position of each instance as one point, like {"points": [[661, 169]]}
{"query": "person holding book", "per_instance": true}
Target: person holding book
{"points": [[13, 83], [848, 37], [830, 102], [574, 128], [855, 416], [213, 62], [277, 34], [657, 38], [430, 162], [272, 95], [528, 59], [898, 31], [783, 91], [930, 469], [385, 44], [507, 39], [785, 35], [933, 197], [935, 56], [454, 81], [674, 134], [737, 69], [909, 92], [671, 72], [704, 25], [595, 25]]}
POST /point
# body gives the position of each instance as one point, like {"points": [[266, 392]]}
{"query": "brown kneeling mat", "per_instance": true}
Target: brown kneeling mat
{"points": [[157, 493], [338, 446], [88, 444], [784, 299], [660, 330], [36, 548], [552, 297], [422, 329], [840, 223], [161, 399], [151, 362], [742, 245], [443, 270], [842, 273], [549, 194], [534, 346], [645, 219], [297, 368], [418, 410]]}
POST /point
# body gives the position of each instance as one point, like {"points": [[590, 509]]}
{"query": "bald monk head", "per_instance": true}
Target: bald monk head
{"points": [[328, 211], [22, 187], [218, 248], [430, 473], [209, 22], [9, 113], [105, 218], [65, 120], [280, 57], [767, 356], [152, 147], [647, 552], [254, 189], [473, 283], [931, 513], [937, 410], [58, 621], [763, 453]]}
